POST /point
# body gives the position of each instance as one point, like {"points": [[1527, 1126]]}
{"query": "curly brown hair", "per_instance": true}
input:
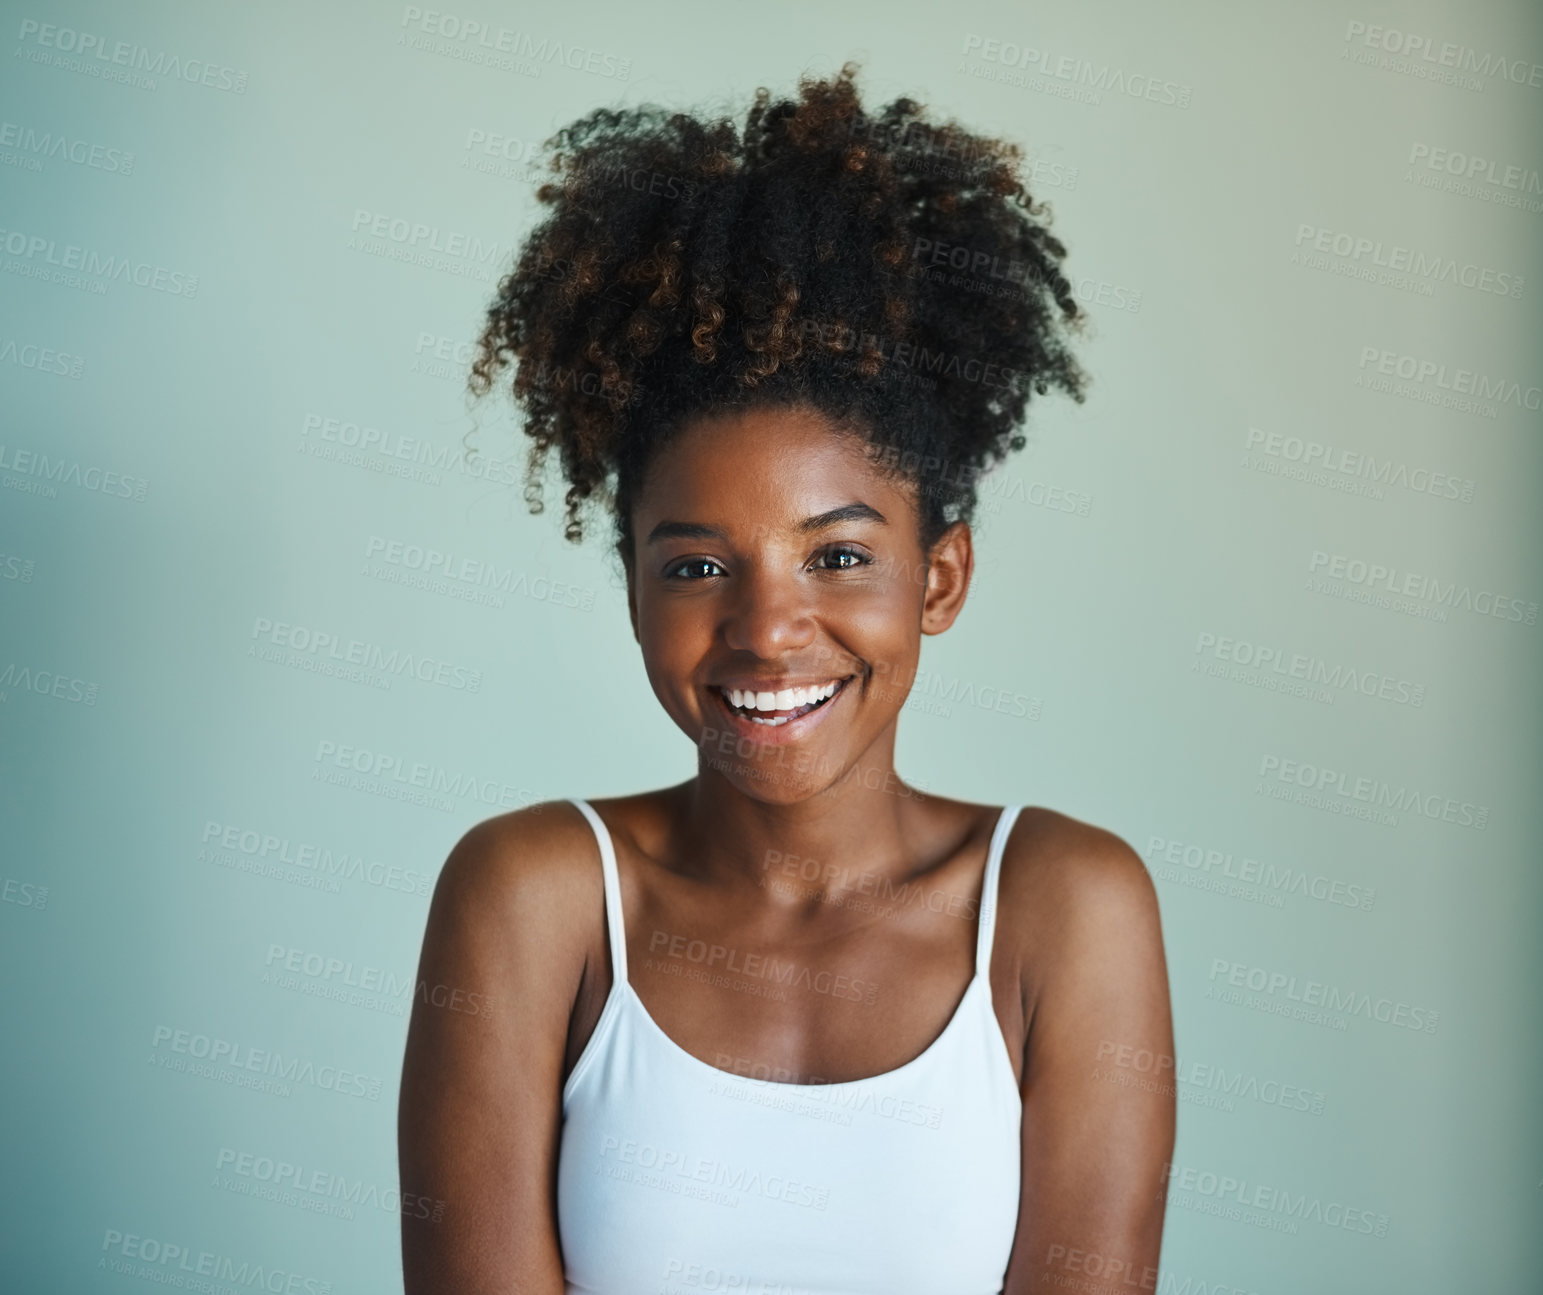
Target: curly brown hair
{"points": [[688, 269]]}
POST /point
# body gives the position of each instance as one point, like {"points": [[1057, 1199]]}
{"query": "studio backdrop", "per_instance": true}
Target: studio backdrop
{"points": [[278, 626]]}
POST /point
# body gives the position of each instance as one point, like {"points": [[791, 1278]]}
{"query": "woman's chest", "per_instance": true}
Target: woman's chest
{"points": [[858, 990]]}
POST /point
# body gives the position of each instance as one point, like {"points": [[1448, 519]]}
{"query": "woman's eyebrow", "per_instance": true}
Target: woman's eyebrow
{"points": [[853, 512]]}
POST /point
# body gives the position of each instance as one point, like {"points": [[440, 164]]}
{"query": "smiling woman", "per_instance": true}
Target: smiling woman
{"points": [[860, 1043]]}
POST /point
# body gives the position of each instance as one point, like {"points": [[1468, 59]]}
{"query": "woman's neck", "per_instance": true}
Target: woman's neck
{"points": [[869, 824]]}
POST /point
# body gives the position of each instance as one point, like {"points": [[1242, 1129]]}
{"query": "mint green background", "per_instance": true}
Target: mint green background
{"points": [[1096, 617]]}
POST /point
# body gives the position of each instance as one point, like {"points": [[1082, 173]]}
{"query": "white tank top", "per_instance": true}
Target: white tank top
{"points": [[676, 1177]]}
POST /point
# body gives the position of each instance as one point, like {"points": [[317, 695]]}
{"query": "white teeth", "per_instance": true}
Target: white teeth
{"points": [[784, 699]]}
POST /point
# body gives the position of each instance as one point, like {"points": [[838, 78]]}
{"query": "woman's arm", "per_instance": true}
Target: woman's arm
{"points": [[1098, 1088], [480, 1105]]}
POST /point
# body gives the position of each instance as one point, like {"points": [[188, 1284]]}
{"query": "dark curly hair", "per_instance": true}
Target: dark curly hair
{"points": [[689, 269]]}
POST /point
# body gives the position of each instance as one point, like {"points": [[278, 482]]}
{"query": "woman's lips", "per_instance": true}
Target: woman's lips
{"points": [[792, 728]]}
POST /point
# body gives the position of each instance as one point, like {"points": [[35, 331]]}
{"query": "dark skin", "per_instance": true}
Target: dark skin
{"points": [[757, 585]]}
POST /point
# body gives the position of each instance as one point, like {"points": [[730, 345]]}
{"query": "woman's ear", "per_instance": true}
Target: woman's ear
{"points": [[950, 567]]}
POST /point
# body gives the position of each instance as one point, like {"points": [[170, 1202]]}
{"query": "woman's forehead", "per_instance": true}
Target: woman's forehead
{"points": [[767, 462]]}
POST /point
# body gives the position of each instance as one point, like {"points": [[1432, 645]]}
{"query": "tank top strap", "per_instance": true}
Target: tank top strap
{"points": [[613, 916], [988, 893]]}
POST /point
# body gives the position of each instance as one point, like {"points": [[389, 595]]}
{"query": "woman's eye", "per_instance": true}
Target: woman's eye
{"points": [[858, 558], [691, 564], [839, 559]]}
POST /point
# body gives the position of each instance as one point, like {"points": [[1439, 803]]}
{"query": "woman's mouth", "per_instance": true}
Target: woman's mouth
{"points": [[774, 708]]}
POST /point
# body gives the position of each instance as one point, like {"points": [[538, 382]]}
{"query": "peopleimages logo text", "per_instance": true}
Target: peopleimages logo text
{"points": [[90, 45], [41, 250], [1408, 260], [1310, 669], [1373, 792], [1471, 166], [1352, 463], [1458, 381], [1080, 71], [1361, 573], [1426, 49], [172, 1263], [1315, 993], [470, 33], [1301, 1207]]}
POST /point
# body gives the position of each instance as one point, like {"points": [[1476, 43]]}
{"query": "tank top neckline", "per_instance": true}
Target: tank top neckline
{"points": [[901, 1071], [622, 992]]}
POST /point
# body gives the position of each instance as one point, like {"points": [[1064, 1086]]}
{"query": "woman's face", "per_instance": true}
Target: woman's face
{"points": [[773, 558]]}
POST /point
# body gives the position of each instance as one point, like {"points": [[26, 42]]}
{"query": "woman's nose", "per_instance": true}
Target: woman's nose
{"points": [[769, 613]]}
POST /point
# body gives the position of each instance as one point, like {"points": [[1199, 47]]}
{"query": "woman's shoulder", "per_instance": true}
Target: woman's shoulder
{"points": [[540, 858], [1080, 919], [1063, 876], [550, 846], [1068, 849]]}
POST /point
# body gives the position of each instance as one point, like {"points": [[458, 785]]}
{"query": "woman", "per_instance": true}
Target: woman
{"points": [[792, 1025]]}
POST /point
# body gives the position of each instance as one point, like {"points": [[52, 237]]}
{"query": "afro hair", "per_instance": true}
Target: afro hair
{"points": [[891, 272]]}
